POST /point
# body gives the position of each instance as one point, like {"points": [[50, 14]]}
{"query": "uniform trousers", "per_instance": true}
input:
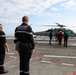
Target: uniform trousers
{"points": [[25, 56], [2, 57]]}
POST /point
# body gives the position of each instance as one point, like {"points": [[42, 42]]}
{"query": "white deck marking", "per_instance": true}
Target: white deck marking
{"points": [[59, 56], [45, 61], [67, 64]]}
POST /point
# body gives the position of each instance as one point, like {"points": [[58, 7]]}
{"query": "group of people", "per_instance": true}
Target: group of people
{"points": [[24, 45], [59, 36]]}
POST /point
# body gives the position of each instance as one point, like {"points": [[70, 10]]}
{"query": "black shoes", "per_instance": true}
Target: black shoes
{"points": [[4, 72]]}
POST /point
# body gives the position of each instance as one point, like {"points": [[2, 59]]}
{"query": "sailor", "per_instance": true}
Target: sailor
{"points": [[50, 36], [3, 45], [24, 44]]}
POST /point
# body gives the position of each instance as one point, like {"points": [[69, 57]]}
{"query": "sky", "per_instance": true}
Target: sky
{"points": [[40, 12]]}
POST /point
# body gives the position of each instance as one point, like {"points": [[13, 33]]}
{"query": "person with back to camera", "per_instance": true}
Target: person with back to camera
{"points": [[50, 36], [3, 45], [25, 45], [60, 37], [66, 35]]}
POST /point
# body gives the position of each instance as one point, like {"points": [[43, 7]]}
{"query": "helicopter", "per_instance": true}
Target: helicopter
{"points": [[55, 30]]}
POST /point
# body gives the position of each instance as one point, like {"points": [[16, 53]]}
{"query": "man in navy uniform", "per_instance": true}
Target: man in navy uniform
{"points": [[25, 44], [3, 45], [50, 36]]}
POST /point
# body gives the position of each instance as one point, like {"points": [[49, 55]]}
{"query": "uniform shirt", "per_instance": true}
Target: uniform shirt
{"points": [[2, 40], [23, 33]]}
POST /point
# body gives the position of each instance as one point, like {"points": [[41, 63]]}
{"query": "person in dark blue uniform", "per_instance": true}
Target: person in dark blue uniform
{"points": [[50, 36], [3, 45], [24, 45]]}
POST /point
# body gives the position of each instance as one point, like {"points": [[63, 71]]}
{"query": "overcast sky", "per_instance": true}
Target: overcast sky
{"points": [[40, 12]]}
